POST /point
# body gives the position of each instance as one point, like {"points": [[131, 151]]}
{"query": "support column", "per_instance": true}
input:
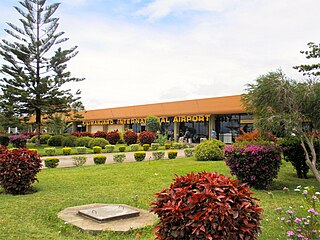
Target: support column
{"points": [[176, 126], [212, 123]]}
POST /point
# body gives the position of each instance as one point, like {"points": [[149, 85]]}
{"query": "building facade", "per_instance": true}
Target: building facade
{"points": [[200, 117]]}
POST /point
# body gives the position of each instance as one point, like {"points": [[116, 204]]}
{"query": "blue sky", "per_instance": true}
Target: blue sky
{"points": [[136, 52]]}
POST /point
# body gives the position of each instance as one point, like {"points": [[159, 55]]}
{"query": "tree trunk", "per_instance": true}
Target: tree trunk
{"points": [[38, 126], [311, 163]]}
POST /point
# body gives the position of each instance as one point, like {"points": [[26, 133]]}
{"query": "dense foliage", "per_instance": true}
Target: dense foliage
{"points": [[172, 154], [139, 156], [130, 137], [4, 140], [99, 159], [18, 141], [100, 134], [113, 137], [51, 162], [55, 140], [153, 124], [256, 165], [208, 151], [206, 206], [294, 153], [146, 137], [18, 169], [101, 142]]}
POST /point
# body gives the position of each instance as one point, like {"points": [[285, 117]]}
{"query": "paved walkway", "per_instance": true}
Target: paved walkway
{"points": [[66, 160]]}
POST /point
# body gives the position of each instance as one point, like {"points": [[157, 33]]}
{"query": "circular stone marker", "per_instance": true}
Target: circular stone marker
{"points": [[75, 216]]}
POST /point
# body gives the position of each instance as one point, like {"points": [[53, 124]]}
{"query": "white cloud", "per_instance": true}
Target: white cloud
{"points": [[129, 63], [162, 8]]}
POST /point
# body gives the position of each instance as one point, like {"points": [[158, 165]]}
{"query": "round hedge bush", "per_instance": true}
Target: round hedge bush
{"points": [[139, 156], [206, 206], [51, 162], [101, 142], [69, 141], [83, 141], [99, 159], [208, 150], [55, 140]]}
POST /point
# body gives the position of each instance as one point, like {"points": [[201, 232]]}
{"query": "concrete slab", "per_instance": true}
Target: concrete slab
{"points": [[71, 216]]}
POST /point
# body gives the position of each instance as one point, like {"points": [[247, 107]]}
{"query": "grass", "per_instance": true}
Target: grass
{"points": [[41, 151], [34, 216]]}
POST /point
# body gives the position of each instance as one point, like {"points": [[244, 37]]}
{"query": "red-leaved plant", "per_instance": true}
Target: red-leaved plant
{"points": [[147, 137], [82, 134], [18, 169], [100, 134], [113, 137], [130, 137], [206, 206]]}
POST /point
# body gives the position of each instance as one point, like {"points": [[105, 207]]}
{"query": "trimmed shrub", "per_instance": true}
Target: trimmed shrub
{"points": [[122, 148], [172, 154], [219, 143], [43, 138], [81, 150], [188, 152], [101, 142], [51, 162], [66, 151], [100, 134], [167, 145], [158, 155], [78, 161], [134, 147], [83, 141], [99, 159], [97, 149], [146, 137], [18, 141], [177, 145], [130, 137], [4, 140], [55, 140], [155, 146], [146, 147], [206, 206], [208, 150], [119, 157], [109, 148], [69, 141], [50, 151], [113, 137], [256, 165], [18, 169], [139, 156]]}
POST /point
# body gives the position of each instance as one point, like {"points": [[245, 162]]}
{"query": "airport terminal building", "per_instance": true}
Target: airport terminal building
{"points": [[224, 115]]}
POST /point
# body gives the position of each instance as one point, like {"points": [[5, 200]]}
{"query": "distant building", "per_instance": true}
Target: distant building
{"points": [[224, 115]]}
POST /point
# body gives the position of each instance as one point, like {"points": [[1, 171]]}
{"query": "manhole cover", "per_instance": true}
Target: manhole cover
{"points": [[108, 213]]}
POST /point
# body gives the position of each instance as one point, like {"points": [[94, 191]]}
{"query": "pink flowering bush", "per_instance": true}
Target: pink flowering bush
{"points": [[256, 165], [18, 141], [303, 223]]}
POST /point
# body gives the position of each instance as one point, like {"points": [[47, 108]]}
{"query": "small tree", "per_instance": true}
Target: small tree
{"points": [[35, 68], [287, 106], [153, 124]]}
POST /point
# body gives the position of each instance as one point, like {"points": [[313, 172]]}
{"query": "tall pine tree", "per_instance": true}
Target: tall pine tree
{"points": [[35, 66]]}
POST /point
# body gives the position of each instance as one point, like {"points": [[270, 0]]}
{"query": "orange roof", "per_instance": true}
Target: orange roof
{"points": [[217, 105]]}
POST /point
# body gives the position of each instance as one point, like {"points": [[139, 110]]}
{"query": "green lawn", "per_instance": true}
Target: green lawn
{"points": [[34, 216]]}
